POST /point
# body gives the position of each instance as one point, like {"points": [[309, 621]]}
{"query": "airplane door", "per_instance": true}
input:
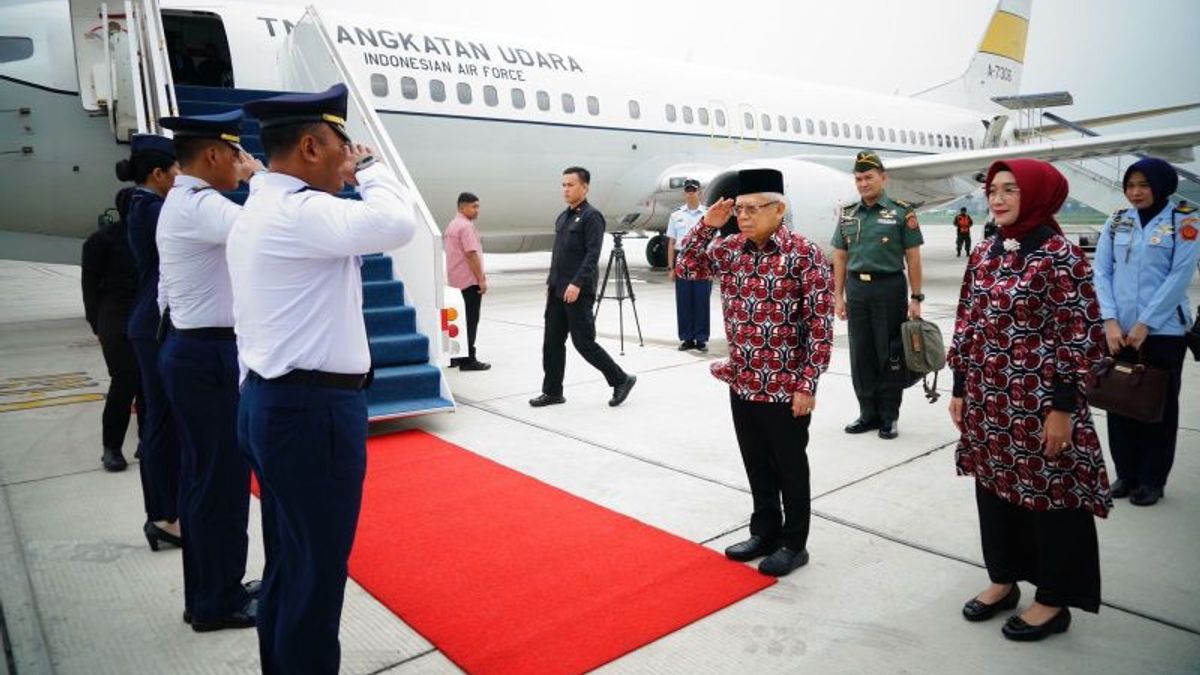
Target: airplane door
{"points": [[720, 127]]}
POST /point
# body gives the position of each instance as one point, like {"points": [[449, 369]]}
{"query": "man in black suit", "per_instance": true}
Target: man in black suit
{"points": [[570, 293]]}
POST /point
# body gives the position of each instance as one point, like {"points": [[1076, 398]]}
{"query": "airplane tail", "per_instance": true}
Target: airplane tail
{"points": [[995, 70]]}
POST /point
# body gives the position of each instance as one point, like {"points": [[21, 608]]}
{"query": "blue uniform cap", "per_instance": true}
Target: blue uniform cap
{"points": [[222, 126], [151, 142], [328, 106]]}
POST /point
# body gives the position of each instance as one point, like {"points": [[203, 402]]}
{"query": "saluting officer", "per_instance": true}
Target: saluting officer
{"points": [[294, 258], [876, 239], [199, 364]]}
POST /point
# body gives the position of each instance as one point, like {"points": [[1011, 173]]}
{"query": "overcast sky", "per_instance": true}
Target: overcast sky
{"points": [[1113, 55]]}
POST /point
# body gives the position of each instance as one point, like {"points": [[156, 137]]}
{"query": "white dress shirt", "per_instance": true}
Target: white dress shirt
{"points": [[293, 257], [193, 276]]}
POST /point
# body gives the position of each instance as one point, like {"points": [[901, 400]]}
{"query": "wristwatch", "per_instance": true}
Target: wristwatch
{"points": [[919, 297], [365, 162]]}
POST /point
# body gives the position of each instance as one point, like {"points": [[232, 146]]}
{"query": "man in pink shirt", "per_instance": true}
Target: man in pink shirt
{"points": [[464, 271]]}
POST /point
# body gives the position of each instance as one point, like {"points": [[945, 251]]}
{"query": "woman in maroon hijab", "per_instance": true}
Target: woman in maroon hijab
{"points": [[1027, 331]]}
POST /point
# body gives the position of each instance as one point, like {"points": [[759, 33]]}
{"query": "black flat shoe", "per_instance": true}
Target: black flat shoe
{"points": [[1146, 496], [754, 547], [474, 365], [1120, 489], [113, 460], [782, 562], [621, 391], [977, 610], [155, 535], [861, 425], [545, 400], [686, 345], [252, 588], [889, 430], [243, 618], [702, 347], [1016, 628]]}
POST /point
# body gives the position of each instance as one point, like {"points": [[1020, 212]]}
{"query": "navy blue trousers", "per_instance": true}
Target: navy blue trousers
{"points": [[159, 443], [201, 379], [308, 445], [691, 309]]}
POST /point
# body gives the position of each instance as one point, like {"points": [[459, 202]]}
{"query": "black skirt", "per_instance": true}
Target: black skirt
{"points": [[1055, 550]]}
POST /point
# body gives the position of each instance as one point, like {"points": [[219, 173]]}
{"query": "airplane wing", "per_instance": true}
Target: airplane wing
{"points": [[1119, 118]]}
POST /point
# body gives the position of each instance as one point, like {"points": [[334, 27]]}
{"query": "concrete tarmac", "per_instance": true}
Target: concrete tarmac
{"points": [[894, 544]]}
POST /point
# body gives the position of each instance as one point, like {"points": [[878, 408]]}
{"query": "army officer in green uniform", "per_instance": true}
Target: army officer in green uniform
{"points": [[877, 239]]}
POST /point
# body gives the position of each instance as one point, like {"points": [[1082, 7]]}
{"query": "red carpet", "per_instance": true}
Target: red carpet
{"points": [[505, 574]]}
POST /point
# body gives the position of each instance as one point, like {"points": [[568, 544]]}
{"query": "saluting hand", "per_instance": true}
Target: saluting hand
{"points": [[247, 165], [355, 153], [718, 213]]}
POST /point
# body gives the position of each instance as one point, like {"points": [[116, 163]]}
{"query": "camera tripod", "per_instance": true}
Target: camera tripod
{"points": [[624, 289]]}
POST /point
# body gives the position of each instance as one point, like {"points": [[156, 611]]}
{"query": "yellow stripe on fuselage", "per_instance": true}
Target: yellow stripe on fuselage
{"points": [[1006, 36]]}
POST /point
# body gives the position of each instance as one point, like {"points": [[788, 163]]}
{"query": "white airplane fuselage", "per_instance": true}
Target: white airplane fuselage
{"points": [[478, 138]]}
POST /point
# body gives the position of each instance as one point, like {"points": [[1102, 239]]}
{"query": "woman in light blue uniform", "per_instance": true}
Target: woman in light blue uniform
{"points": [[1144, 262]]}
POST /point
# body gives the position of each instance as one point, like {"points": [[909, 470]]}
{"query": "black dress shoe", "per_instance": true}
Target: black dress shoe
{"points": [[1146, 496], [782, 562], [861, 425], [754, 547], [545, 400], [686, 345], [243, 618], [1120, 489], [977, 610], [474, 365], [155, 535], [1016, 628], [253, 587], [889, 430], [702, 347], [113, 460], [621, 391]]}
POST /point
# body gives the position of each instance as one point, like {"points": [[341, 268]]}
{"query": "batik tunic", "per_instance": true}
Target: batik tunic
{"points": [[1026, 334], [778, 309]]}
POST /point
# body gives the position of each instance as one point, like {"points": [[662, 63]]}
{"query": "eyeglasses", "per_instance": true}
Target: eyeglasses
{"points": [[689, 189], [751, 209], [1006, 192]]}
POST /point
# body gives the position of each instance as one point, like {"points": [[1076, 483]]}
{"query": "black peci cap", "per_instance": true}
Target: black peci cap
{"points": [[753, 181]]}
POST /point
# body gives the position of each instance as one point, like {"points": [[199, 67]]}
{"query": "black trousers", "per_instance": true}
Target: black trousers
{"points": [[962, 242], [1143, 452], [159, 461], [874, 311], [774, 451], [472, 299], [1055, 550], [123, 387], [574, 319]]}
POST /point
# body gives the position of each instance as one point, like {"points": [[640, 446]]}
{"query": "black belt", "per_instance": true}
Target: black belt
{"points": [[320, 378], [214, 333], [874, 276]]}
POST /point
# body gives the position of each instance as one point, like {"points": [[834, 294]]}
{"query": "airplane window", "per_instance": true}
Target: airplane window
{"points": [[720, 115], [892, 135], [635, 109], [748, 119], [408, 87], [702, 115], [903, 136], [808, 125], [870, 134], [518, 98], [437, 90], [687, 114], [15, 49], [795, 125], [593, 105], [489, 96], [671, 116], [568, 102], [782, 123], [922, 138], [766, 122], [857, 131], [543, 100], [824, 128], [956, 145], [882, 135], [971, 143], [379, 84], [835, 129], [941, 138], [846, 129], [464, 93]]}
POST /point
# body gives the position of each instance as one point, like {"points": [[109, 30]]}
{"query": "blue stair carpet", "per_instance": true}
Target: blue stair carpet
{"points": [[405, 382]]}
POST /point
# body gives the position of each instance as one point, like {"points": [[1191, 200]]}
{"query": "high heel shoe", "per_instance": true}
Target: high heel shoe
{"points": [[155, 535]]}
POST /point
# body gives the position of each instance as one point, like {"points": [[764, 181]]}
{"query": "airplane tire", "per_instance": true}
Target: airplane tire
{"points": [[656, 251]]}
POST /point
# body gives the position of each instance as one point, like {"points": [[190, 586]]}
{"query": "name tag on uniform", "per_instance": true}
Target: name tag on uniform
{"points": [[886, 221]]}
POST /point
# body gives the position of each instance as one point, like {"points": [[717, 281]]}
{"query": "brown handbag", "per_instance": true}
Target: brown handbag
{"points": [[1133, 390]]}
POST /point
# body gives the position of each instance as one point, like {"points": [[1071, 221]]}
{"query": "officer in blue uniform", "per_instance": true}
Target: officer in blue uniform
{"points": [[1143, 264], [199, 365], [294, 260]]}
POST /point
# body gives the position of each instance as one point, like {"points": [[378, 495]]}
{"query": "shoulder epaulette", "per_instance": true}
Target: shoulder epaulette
{"points": [[201, 188], [1185, 208], [903, 204], [850, 209], [1117, 213]]}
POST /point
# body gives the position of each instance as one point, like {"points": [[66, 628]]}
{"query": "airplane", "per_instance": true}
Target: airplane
{"points": [[502, 116]]}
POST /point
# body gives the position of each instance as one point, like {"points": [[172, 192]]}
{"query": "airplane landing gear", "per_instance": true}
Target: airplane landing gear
{"points": [[656, 251]]}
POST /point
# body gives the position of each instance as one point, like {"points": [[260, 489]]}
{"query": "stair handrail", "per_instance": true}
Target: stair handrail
{"points": [[154, 65], [425, 291]]}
